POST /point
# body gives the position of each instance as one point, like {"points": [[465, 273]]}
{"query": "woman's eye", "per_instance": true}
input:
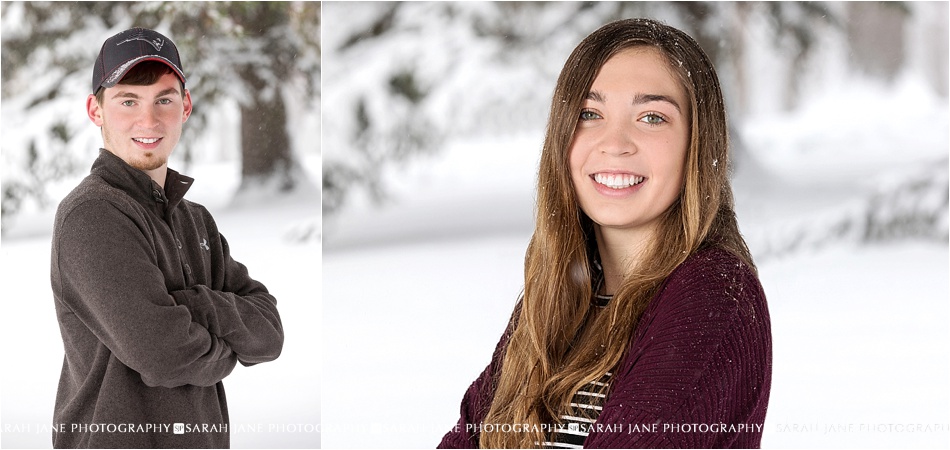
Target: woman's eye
{"points": [[589, 115], [652, 119]]}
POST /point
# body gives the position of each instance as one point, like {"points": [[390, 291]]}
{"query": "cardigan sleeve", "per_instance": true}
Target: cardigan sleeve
{"points": [[464, 434], [478, 398], [698, 371]]}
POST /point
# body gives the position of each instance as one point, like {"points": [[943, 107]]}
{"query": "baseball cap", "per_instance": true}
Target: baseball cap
{"points": [[123, 51]]}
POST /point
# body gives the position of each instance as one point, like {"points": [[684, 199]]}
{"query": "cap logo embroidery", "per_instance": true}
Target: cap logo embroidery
{"points": [[204, 244], [157, 42]]}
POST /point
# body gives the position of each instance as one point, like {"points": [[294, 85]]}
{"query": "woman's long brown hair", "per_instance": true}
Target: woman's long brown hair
{"points": [[544, 364]]}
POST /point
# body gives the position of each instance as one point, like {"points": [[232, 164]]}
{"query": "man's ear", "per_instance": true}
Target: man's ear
{"points": [[94, 110], [186, 101]]}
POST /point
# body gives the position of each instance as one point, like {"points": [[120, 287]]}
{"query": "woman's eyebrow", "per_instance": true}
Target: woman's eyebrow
{"points": [[596, 96], [640, 99]]}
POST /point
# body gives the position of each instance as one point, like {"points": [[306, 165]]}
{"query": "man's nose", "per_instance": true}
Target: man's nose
{"points": [[148, 118]]}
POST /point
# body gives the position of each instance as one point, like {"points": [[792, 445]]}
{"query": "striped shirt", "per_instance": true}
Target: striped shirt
{"points": [[578, 420]]}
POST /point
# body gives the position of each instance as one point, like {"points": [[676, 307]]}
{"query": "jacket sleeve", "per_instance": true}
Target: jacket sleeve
{"points": [[105, 272], [239, 310], [698, 372], [465, 433], [478, 398]]}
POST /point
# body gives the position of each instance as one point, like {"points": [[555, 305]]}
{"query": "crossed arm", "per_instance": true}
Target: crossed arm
{"points": [[240, 311], [702, 354], [106, 272]]}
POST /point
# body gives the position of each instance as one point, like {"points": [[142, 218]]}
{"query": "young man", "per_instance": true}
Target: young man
{"points": [[153, 310]]}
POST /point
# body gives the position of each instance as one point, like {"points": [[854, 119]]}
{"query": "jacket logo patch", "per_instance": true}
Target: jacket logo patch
{"points": [[204, 244]]}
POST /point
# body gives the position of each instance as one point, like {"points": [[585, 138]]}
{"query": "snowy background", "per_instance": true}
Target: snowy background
{"points": [[841, 194], [272, 405]]}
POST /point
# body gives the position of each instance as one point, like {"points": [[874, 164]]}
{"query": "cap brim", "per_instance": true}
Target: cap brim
{"points": [[116, 76]]}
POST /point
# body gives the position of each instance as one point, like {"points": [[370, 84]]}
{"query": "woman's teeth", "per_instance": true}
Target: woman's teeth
{"points": [[617, 181]]}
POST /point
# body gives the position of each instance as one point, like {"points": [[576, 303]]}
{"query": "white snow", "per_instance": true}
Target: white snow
{"points": [[859, 340], [861, 347]]}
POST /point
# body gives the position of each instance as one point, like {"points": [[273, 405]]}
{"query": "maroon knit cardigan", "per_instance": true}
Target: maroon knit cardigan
{"points": [[696, 375]]}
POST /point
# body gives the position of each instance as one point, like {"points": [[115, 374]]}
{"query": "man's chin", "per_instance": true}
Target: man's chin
{"points": [[148, 162]]}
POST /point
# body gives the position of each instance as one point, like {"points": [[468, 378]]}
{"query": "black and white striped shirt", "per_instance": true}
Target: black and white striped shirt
{"points": [[578, 420]]}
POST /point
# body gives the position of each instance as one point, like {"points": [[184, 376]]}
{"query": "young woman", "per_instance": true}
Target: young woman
{"points": [[642, 322]]}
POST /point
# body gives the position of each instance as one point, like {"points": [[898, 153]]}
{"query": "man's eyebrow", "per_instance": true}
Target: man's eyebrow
{"points": [[126, 94], [167, 92]]}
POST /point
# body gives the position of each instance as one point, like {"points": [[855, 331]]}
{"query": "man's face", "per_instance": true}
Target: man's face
{"points": [[142, 124]]}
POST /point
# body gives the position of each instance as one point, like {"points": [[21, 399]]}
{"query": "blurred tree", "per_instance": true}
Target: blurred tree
{"points": [[265, 142], [419, 91], [876, 32], [389, 124], [251, 53]]}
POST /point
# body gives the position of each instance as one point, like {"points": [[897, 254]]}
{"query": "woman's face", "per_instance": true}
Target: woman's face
{"points": [[630, 143]]}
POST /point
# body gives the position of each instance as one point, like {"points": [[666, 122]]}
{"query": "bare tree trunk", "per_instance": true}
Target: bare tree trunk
{"points": [[265, 144], [267, 161], [876, 35]]}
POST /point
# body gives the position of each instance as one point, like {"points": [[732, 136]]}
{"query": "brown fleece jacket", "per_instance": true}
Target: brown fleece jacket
{"points": [[153, 312]]}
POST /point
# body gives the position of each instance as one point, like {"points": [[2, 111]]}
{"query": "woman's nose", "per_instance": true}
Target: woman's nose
{"points": [[618, 140]]}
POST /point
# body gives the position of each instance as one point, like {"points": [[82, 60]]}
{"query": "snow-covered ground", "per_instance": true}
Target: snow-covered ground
{"points": [[860, 341], [417, 292], [272, 405]]}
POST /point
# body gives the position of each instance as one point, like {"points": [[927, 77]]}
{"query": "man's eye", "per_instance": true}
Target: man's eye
{"points": [[128, 103], [652, 119], [589, 115], [165, 101]]}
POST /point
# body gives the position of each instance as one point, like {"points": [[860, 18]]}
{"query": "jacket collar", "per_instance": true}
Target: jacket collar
{"points": [[139, 185]]}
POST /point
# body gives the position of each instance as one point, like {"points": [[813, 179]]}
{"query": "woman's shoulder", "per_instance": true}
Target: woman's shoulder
{"points": [[711, 269], [712, 259], [712, 282]]}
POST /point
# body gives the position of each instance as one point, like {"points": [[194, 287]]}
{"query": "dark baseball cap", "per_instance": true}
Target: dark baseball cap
{"points": [[123, 51]]}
